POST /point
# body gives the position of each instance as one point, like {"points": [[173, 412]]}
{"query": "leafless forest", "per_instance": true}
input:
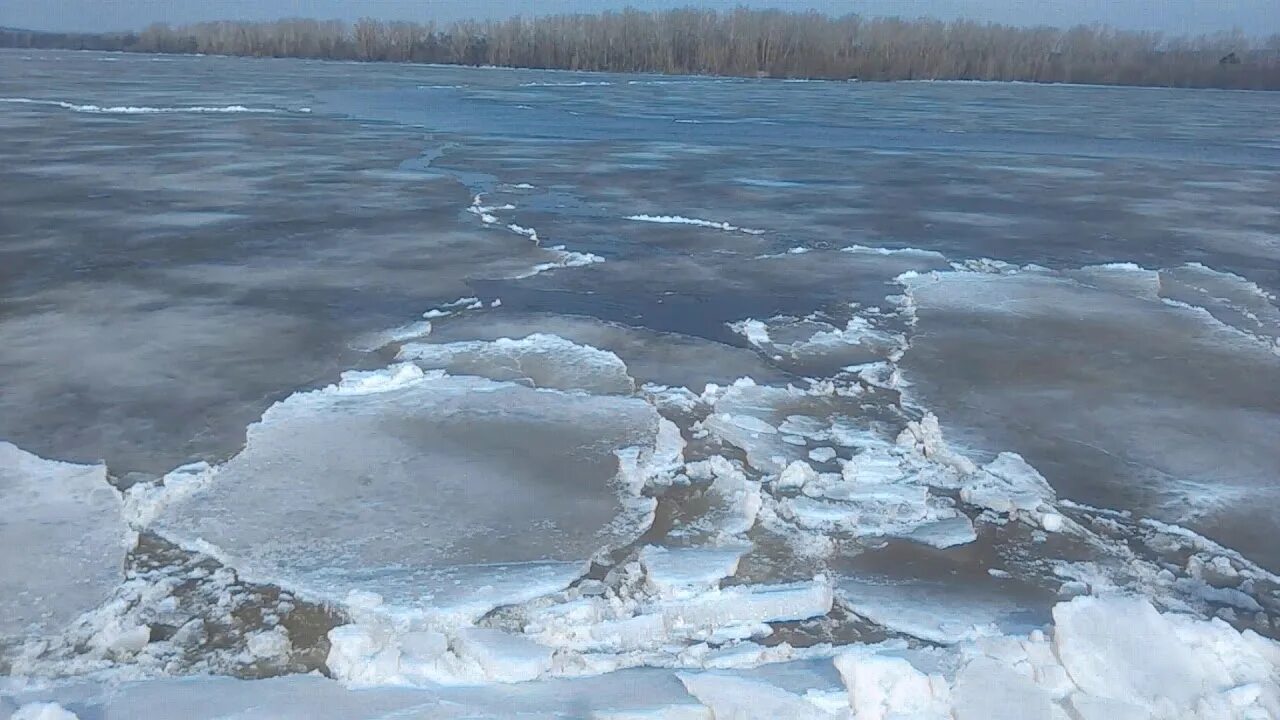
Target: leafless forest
{"points": [[740, 43]]}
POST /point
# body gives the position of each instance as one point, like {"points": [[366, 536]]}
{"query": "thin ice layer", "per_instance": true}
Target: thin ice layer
{"points": [[935, 611], [650, 357], [1119, 399], [431, 492], [62, 542], [545, 361]]}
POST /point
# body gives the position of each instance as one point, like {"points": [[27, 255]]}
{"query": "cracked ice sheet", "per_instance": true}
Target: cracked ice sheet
{"points": [[444, 496], [62, 542], [1119, 400]]}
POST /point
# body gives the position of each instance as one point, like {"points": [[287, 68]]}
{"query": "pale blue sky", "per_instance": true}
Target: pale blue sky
{"points": [[1256, 17]]}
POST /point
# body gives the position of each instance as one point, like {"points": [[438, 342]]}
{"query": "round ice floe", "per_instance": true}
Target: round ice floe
{"points": [[439, 494], [61, 540]]}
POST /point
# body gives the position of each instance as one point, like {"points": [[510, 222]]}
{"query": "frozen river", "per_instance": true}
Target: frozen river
{"points": [[595, 396]]}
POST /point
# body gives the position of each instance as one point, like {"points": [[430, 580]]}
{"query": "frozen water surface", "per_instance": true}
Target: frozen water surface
{"points": [[492, 391]]}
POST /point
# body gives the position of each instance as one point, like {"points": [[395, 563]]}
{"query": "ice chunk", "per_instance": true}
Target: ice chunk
{"points": [[756, 332], [1008, 484], [441, 494], [797, 475], [737, 698], [810, 339], [739, 499], [893, 510], [822, 454], [1126, 278], [739, 421], [752, 604], [501, 655], [925, 435], [944, 533], [364, 382], [887, 688], [1121, 649], [545, 361], [988, 690], [62, 537], [677, 571], [269, 644], [711, 614], [933, 611]]}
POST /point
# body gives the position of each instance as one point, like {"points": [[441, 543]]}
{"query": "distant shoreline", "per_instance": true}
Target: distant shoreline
{"points": [[741, 43]]}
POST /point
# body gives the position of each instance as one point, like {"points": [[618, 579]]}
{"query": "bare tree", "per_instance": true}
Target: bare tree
{"points": [[741, 42]]}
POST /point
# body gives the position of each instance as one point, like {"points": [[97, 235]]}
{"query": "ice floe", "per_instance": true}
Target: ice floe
{"points": [[1033, 340], [340, 494], [65, 539]]}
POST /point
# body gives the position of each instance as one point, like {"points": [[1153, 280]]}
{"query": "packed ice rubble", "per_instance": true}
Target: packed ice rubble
{"points": [[474, 514], [1115, 657], [64, 541]]}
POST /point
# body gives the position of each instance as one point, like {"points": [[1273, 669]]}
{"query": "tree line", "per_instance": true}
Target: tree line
{"points": [[741, 42]]}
